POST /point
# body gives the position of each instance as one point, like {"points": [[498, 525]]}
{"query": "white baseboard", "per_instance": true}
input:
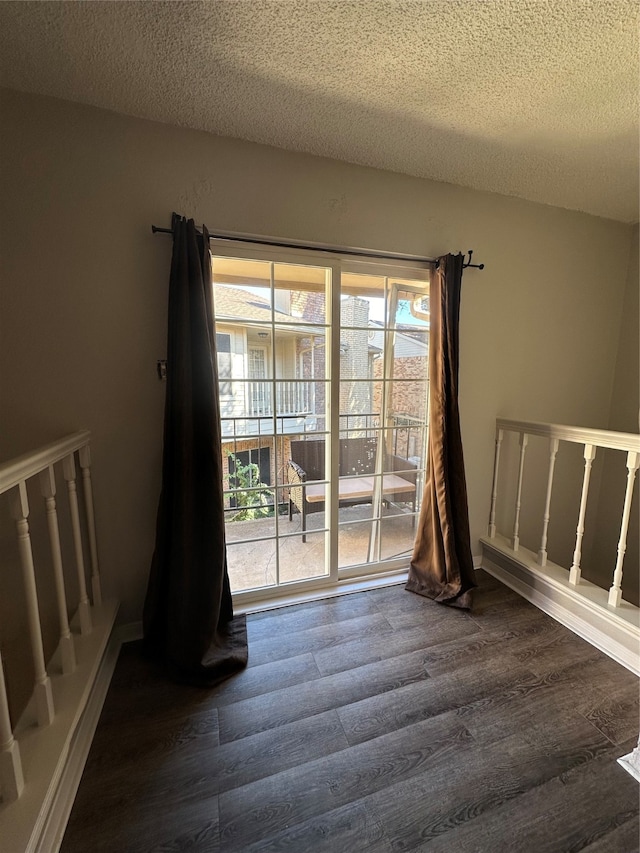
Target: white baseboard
{"points": [[129, 633], [582, 609], [65, 794]]}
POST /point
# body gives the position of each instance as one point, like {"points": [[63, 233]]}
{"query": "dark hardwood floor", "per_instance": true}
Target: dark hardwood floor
{"points": [[378, 721]]}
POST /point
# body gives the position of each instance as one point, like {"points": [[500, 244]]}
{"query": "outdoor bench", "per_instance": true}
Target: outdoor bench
{"points": [[357, 461]]}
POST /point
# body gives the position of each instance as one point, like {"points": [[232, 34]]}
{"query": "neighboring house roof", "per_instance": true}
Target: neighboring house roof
{"points": [[239, 304], [236, 303]]}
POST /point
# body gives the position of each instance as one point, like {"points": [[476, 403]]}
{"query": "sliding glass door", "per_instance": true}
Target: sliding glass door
{"points": [[383, 406], [324, 393]]}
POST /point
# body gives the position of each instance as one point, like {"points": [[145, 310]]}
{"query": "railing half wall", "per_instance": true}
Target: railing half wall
{"points": [[33, 752], [599, 615]]}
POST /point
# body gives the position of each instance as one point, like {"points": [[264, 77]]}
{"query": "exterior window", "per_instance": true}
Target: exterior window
{"points": [[223, 347]]}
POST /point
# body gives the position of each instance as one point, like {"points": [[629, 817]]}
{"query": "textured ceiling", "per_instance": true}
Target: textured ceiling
{"points": [[532, 98]]}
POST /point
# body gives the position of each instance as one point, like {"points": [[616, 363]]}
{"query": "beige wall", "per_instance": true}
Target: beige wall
{"points": [[623, 416], [85, 290]]}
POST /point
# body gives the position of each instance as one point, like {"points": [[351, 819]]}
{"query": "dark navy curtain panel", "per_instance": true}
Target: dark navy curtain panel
{"points": [[188, 614]]}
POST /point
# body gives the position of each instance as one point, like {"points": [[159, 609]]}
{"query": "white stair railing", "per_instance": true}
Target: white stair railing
{"points": [[591, 439], [48, 489], [14, 476], [595, 611], [11, 778]]}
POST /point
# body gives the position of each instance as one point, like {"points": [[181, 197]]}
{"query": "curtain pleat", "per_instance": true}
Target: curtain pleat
{"points": [[188, 613], [442, 565]]}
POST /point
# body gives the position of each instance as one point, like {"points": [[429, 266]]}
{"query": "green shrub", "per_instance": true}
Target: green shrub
{"points": [[253, 504]]}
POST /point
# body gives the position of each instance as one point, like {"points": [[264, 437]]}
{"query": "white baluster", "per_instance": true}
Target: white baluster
{"points": [[589, 456], [515, 544], [11, 778], [542, 553], [84, 456], [84, 612], [494, 490], [42, 689], [48, 490], [615, 593]]}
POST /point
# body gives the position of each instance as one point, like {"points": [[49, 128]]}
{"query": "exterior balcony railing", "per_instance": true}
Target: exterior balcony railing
{"points": [[290, 398]]}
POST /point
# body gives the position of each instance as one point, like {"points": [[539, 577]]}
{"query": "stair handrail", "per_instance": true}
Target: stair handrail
{"points": [[578, 435], [16, 471], [14, 475]]}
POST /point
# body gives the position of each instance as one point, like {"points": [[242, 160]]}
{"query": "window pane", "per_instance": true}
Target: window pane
{"points": [[223, 350], [397, 535], [412, 309], [242, 303], [408, 398], [248, 481], [354, 535], [251, 567], [299, 294], [303, 560], [363, 300], [300, 352]]}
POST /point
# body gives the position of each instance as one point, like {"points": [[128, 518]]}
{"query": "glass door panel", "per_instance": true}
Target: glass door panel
{"points": [[383, 402], [323, 395], [354, 536], [272, 365]]}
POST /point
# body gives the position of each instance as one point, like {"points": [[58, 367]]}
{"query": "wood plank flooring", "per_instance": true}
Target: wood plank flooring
{"points": [[377, 721]]}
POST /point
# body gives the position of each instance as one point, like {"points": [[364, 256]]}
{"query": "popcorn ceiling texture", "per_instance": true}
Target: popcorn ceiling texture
{"points": [[532, 98]]}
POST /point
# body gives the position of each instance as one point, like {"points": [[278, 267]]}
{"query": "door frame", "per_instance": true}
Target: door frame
{"points": [[334, 578]]}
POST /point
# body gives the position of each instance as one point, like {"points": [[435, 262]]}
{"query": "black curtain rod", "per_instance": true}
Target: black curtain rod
{"points": [[360, 253]]}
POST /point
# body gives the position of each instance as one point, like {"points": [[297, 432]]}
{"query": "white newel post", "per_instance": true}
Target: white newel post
{"points": [[84, 456], [615, 593], [42, 689], [515, 544], [11, 779], [48, 490], [553, 452], [84, 612], [589, 456], [494, 489]]}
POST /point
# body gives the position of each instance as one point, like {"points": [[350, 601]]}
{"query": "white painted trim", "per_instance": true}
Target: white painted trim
{"points": [[267, 247], [616, 632], [67, 788], [343, 588], [579, 435], [20, 469], [33, 822]]}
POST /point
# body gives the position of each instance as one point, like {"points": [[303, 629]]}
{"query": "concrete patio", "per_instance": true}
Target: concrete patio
{"points": [[253, 564]]}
